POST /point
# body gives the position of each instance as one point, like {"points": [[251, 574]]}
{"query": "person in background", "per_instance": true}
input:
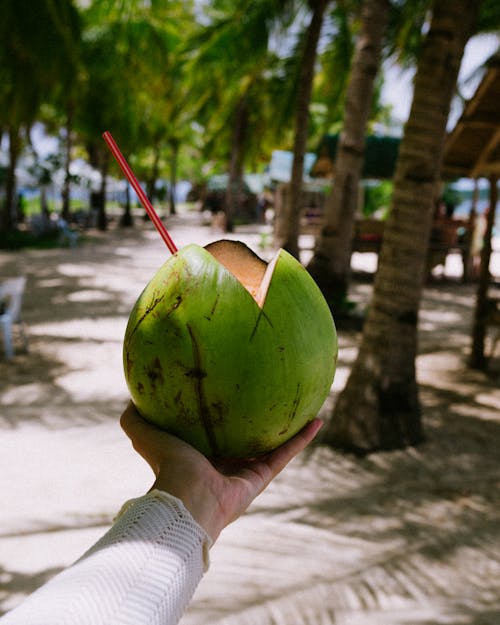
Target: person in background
{"points": [[145, 569], [477, 243]]}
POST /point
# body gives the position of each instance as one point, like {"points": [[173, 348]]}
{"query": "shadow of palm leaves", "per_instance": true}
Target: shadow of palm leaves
{"points": [[14, 583], [400, 538]]}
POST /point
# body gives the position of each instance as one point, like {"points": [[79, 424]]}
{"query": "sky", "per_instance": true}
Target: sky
{"points": [[398, 88]]}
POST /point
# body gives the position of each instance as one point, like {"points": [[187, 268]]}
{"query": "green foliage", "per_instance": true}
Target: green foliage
{"points": [[161, 74], [489, 17], [451, 196], [134, 83], [38, 50], [166, 77], [23, 239], [405, 30], [377, 198], [334, 66], [232, 59]]}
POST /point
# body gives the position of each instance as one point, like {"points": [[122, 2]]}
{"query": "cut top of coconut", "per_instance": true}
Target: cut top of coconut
{"points": [[253, 272]]}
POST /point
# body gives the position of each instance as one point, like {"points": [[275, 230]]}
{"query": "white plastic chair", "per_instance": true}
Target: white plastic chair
{"points": [[11, 298], [66, 234]]}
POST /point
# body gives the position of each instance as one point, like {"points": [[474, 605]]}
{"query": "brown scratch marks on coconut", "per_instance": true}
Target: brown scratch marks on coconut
{"points": [[148, 311], [129, 363], [154, 372], [186, 417], [140, 388], [293, 411], [296, 401], [175, 305], [218, 411], [200, 394], [212, 311], [256, 447], [196, 372], [261, 315]]}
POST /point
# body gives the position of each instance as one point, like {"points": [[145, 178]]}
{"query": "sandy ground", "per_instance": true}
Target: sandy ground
{"points": [[407, 538]]}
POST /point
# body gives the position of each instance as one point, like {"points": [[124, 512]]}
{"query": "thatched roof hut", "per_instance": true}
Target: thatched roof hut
{"points": [[472, 150]]}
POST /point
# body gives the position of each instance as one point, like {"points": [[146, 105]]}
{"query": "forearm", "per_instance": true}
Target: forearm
{"points": [[143, 571]]}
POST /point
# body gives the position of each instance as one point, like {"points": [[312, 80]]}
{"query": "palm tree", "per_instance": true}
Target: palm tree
{"points": [[379, 407], [167, 113], [286, 233], [131, 77], [331, 260], [106, 82], [37, 53], [235, 73], [240, 45]]}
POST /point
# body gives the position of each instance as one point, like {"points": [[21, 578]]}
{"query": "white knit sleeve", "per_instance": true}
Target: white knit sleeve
{"points": [[143, 571]]}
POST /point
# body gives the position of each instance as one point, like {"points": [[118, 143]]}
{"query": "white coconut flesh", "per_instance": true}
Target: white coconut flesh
{"points": [[253, 272]]}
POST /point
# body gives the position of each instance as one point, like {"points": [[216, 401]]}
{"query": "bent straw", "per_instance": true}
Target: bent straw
{"points": [[140, 193]]}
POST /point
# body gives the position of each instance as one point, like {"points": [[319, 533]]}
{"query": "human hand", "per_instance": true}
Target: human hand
{"points": [[215, 493]]}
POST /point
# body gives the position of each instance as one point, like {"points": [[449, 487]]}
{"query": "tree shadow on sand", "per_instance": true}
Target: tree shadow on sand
{"points": [[32, 389], [15, 583], [75, 307], [395, 538]]}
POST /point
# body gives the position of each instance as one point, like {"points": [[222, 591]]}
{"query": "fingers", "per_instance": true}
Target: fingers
{"points": [[257, 474], [278, 459], [135, 426], [147, 439], [130, 419], [155, 445], [143, 435]]}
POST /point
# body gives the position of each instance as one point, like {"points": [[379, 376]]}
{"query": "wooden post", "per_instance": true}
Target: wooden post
{"points": [[478, 359], [469, 236]]}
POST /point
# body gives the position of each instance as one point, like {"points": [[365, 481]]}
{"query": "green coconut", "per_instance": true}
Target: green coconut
{"points": [[230, 353]]}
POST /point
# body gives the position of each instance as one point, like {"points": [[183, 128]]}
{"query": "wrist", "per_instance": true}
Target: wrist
{"points": [[201, 504]]}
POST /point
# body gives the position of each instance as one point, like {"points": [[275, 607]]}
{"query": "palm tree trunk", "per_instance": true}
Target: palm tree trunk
{"points": [[153, 178], [65, 212], [330, 265], [287, 224], [44, 205], [174, 145], [7, 215], [102, 219], [235, 178], [126, 220], [379, 407]]}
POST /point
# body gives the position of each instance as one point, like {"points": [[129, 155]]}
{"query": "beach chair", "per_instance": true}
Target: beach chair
{"points": [[67, 236], [11, 298]]}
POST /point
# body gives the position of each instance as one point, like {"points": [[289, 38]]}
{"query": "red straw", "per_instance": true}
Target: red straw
{"points": [[140, 193]]}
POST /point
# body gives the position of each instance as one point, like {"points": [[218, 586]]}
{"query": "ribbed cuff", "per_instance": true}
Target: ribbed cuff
{"points": [[170, 502]]}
